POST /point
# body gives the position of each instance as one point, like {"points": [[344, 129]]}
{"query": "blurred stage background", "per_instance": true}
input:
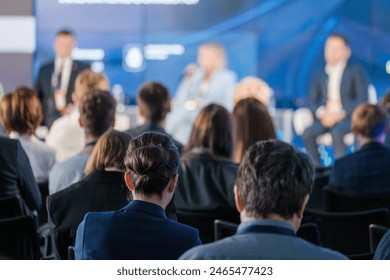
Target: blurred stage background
{"points": [[131, 41]]}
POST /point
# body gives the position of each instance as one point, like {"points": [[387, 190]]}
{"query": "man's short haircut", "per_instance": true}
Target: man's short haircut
{"points": [[97, 111], [274, 178], [154, 101], [65, 32], [340, 36], [369, 120]]}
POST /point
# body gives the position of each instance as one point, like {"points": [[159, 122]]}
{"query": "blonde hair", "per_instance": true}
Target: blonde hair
{"points": [[87, 80], [252, 87]]}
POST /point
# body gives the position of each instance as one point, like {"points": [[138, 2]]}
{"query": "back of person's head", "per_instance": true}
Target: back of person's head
{"points": [[369, 120], [109, 152], [252, 123], [212, 129], [88, 80], [152, 159], [97, 112], [274, 178], [252, 87], [154, 101], [21, 111]]}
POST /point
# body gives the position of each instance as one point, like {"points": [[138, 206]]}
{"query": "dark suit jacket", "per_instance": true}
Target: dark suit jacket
{"points": [[206, 183], [139, 231], [365, 171], [45, 91], [353, 89], [100, 191], [16, 176], [152, 127]]}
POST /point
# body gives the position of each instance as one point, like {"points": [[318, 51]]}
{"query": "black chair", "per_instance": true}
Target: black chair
{"points": [[42, 212], [339, 200], [310, 232], [204, 222], [71, 255], [19, 238], [346, 232], [321, 180], [12, 206], [376, 233], [223, 229]]}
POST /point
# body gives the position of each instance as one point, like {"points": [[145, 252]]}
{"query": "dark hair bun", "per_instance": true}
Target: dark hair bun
{"points": [[141, 162]]}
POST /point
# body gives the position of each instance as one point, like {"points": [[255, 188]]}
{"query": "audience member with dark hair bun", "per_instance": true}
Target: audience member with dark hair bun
{"points": [[207, 172], [21, 113], [141, 229]]}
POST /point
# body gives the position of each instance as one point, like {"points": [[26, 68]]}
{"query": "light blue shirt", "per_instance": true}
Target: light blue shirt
{"points": [[64, 174]]}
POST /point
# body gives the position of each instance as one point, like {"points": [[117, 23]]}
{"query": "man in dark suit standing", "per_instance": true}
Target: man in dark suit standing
{"points": [[55, 82], [366, 170], [335, 93]]}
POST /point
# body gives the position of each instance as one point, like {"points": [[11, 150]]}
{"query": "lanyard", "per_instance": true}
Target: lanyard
{"points": [[266, 229]]}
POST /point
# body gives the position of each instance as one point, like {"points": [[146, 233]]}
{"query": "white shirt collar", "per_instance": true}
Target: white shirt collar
{"points": [[338, 67]]}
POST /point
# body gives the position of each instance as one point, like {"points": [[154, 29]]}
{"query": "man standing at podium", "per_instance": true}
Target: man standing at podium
{"points": [[55, 82], [335, 93]]}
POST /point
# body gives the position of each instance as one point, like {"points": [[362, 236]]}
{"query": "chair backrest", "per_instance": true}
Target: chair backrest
{"points": [[346, 232], [224, 229], [204, 222], [19, 238], [338, 200], [317, 200], [310, 232], [376, 233], [12, 206]]}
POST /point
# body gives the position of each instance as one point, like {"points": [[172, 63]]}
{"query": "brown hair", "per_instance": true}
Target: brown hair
{"points": [[369, 120], [88, 80], [109, 152], [154, 101], [153, 160], [253, 123], [212, 129], [21, 111], [97, 111]]}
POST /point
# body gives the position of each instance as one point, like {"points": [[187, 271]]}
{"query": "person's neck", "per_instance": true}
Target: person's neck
{"points": [[295, 222], [90, 142], [155, 199], [363, 140]]}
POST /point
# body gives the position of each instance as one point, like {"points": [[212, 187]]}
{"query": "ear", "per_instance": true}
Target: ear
{"points": [[129, 181], [81, 123], [303, 206], [172, 183], [140, 112], [74, 97], [237, 199]]}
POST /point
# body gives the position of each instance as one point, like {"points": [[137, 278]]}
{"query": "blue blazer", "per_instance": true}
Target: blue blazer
{"points": [[364, 171], [353, 89], [139, 231]]}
